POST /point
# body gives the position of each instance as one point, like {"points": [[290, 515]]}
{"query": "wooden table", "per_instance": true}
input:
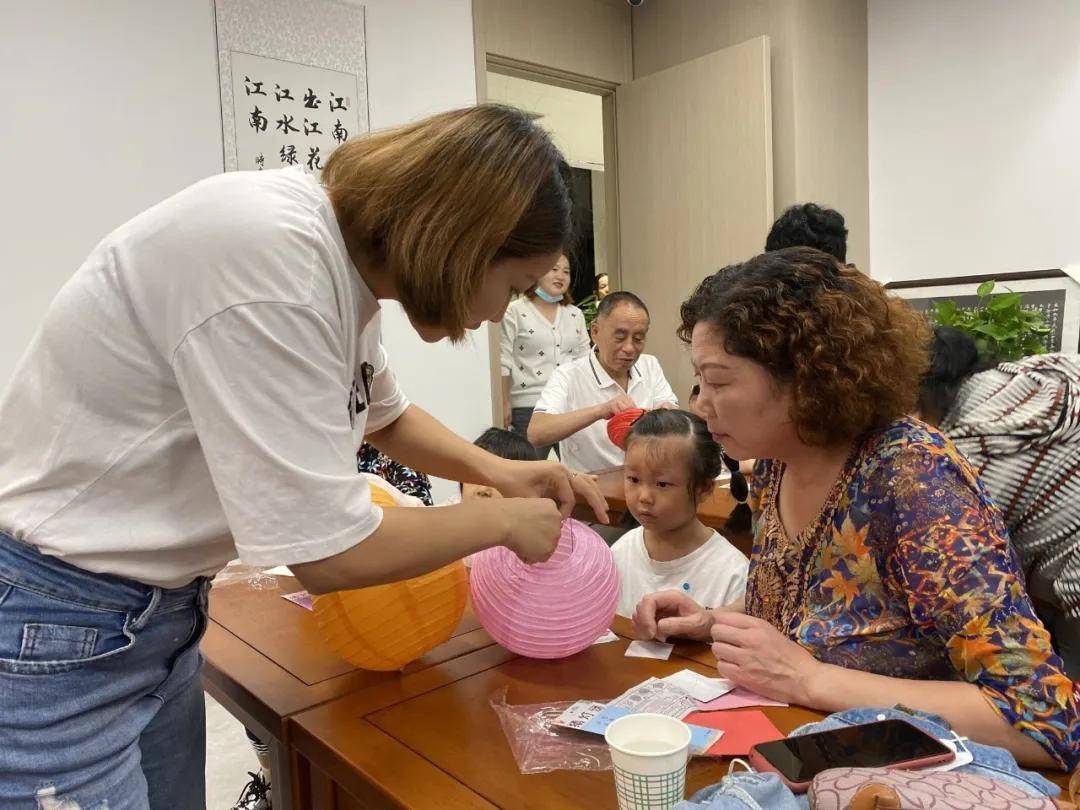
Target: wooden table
{"points": [[346, 738], [428, 743], [713, 512], [265, 661], [443, 746]]}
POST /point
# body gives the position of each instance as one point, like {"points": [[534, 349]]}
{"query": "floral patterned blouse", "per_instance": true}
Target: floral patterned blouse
{"points": [[908, 572], [408, 480]]}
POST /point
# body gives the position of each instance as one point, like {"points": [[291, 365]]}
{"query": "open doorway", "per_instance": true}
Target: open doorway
{"points": [[575, 121]]}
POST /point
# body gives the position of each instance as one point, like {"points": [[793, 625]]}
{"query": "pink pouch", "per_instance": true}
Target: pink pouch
{"points": [[880, 789]]}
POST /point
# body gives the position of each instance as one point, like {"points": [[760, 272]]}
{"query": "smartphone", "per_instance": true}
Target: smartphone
{"points": [[890, 744]]}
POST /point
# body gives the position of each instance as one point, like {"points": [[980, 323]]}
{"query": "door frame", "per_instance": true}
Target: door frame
{"points": [[543, 74], [520, 69]]}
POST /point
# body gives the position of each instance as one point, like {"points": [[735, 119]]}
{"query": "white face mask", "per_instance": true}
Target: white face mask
{"points": [[545, 296]]}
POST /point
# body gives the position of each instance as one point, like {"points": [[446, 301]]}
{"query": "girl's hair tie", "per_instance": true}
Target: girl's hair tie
{"points": [[619, 426]]}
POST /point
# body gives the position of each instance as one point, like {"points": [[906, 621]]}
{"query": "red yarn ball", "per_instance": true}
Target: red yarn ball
{"points": [[619, 425]]}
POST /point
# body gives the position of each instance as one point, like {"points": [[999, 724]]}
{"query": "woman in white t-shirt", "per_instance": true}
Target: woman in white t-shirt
{"points": [[198, 391], [541, 331], [671, 466]]}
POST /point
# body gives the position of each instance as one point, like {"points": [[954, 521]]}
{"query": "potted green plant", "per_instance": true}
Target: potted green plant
{"points": [[588, 305], [999, 324]]}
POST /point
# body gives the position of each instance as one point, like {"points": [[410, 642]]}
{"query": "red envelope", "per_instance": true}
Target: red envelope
{"points": [[742, 730]]}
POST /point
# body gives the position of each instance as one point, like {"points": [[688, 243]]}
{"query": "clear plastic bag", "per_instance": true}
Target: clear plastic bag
{"points": [[539, 746], [253, 575]]}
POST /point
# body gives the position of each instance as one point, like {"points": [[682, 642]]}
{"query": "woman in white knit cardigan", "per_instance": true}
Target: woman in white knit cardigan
{"points": [[541, 330], [1019, 425]]}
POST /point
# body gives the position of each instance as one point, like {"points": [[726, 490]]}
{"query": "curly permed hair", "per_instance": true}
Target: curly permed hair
{"points": [[853, 354]]}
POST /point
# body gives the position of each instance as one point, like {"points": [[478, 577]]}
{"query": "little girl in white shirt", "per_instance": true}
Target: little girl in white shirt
{"points": [[671, 465]]}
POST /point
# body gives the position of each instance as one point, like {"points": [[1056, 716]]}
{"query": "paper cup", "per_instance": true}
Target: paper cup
{"points": [[649, 752]]}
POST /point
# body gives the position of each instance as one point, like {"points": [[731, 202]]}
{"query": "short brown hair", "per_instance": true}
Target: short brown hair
{"points": [[436, 202], [853, 354]]}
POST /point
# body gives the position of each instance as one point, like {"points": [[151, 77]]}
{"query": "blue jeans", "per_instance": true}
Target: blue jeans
{"points": [[764, 791], [989, 761], [100, 700], [745, 790]]}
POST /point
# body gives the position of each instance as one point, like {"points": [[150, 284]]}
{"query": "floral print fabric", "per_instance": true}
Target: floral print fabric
{"points": [[408, 480], [908, 573]]}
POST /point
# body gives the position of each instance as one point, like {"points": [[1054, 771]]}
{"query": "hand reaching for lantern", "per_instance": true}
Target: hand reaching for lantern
{"points": [[617, 404], [531, 527], [549, 479]]}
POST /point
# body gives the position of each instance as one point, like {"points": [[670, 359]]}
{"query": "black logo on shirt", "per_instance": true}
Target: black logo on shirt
{"points": [[360, 399], [367, 374]]}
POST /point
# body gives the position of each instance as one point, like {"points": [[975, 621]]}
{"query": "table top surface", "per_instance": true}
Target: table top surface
{"points": [[427, 733], [452, 731], [265, 654], [266, 659]]}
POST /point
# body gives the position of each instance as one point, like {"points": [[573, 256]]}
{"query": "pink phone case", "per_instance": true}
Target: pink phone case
{"points": [[762, 765]]}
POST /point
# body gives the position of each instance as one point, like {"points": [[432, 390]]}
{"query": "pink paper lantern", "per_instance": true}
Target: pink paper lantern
{"points": [[549, 610]]}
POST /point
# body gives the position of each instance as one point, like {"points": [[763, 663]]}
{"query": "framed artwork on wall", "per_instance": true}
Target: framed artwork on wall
{"points": [[1054, 293], [293, 79]]}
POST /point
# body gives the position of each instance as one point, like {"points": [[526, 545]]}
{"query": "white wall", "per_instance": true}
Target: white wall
{"points": [[88, 144], [420, 61], [574, 119], [974, 113]]}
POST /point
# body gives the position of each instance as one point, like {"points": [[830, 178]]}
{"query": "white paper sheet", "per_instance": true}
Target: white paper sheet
{"points": [[650, 649]]}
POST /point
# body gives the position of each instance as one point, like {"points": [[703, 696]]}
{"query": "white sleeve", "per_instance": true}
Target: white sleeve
{"points": [[620, 546], [630, 580], [554, 398], [507, 336], [739, 574], [267, 388], [731, 568], [661, 389], [584, 346], [387, 400]]}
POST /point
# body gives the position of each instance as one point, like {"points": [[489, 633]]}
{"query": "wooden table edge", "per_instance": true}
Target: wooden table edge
{"points": [[370, 780], [234, 695], [377, 697]]}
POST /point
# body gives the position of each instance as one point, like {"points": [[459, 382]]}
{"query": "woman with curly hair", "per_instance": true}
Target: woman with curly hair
{"points": [[881, 572]]}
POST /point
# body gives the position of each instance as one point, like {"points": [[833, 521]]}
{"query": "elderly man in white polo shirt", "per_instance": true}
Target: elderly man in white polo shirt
{"points": [[615, 376]]}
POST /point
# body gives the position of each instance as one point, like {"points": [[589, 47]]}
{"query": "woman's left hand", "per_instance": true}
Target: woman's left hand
{"points": [[753, 654], [549, 479]]}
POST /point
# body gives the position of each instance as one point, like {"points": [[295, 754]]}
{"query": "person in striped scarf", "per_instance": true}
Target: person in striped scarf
{"points": [[1018, 423]]}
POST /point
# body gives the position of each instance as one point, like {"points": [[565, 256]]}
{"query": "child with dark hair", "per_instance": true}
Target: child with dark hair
{"points": [[671, 465], [504, 444]]}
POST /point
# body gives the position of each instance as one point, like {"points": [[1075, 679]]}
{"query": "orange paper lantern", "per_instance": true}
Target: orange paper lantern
{"points": [[385, 627]]}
